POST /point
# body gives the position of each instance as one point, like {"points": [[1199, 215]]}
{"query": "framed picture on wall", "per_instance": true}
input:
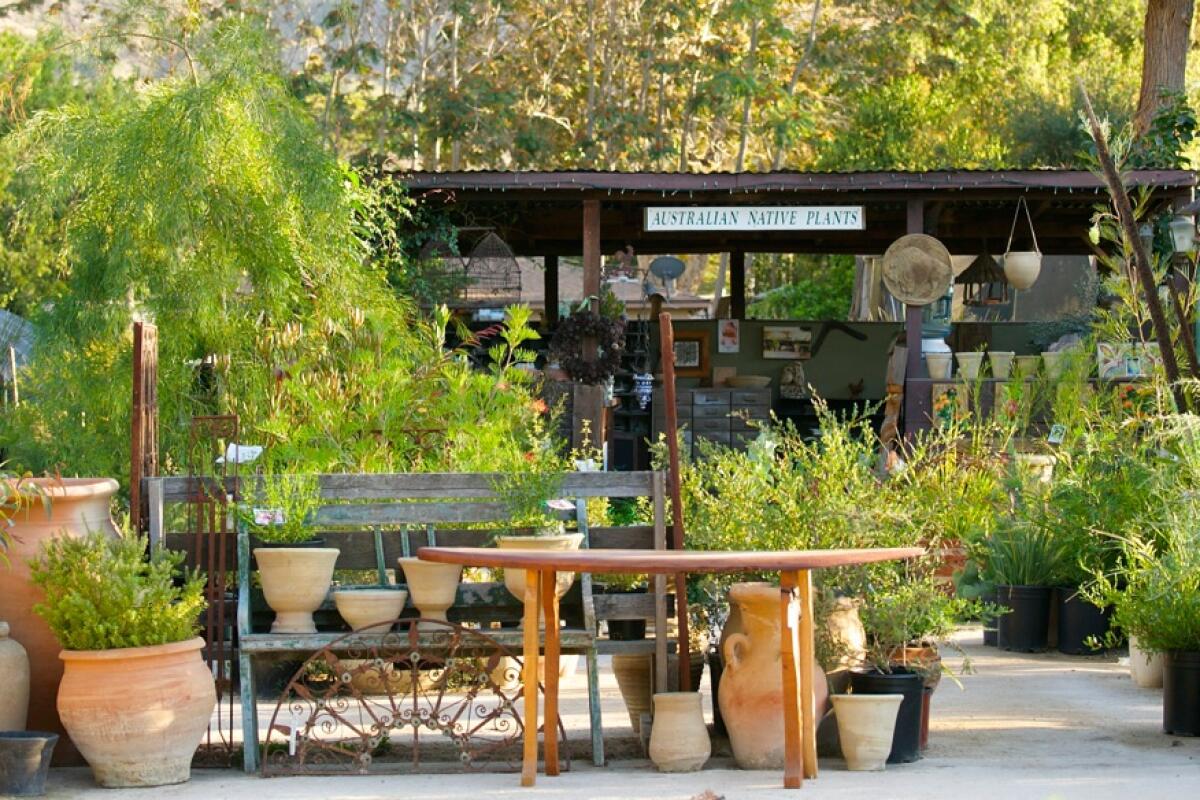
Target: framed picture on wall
{"points": [[786, 342], [691, 353], [729, 336]]}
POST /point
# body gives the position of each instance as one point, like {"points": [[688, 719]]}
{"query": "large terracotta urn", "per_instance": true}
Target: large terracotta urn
{"points": [[14, 682], [137, 713], [751, 691], [75, 507]]}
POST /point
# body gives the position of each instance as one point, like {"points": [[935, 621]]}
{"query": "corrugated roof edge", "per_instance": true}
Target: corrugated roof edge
{"points": [[787, 180]]}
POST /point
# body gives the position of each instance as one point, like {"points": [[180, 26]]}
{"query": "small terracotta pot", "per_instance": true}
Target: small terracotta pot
{"points": [[923, 658], [137, 713], [295, 581], [866, 723], [432, 586], [1146, 669], [679, 738], [362, 608], [1001, 361], [969, 364], [514, 579]]}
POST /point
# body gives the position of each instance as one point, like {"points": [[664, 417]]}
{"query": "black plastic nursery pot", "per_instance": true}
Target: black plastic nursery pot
{"points": [[1181, 692], [1078, 620], [989, 625], [626, 630], [906, 738], [1025, 627], [24, 762]]}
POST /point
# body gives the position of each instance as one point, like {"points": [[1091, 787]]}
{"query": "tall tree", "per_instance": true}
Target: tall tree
{"points": [[1166, 41]]}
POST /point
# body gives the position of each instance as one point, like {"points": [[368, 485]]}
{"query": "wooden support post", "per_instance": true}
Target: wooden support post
{"points": [[144, 417], [660, 586], [737, 284], [666, 335], [915, 223], [808, 713], [793, 683], [550, 713], [550, 264], [591, 249], [529, 676]]}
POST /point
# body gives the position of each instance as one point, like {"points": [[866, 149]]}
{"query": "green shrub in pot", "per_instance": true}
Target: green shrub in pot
{"points": [[277, 507]]}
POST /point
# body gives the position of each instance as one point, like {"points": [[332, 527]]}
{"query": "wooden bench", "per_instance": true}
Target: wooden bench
{"points": [[375, 519]]}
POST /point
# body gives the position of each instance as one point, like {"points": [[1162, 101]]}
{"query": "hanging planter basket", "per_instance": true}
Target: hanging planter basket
{"points": [[1022, 267]]}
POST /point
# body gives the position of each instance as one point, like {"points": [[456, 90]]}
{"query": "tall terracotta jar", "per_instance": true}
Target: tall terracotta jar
{"points": [[751, 691], [77, 506], [14, 682], [138, 713]]}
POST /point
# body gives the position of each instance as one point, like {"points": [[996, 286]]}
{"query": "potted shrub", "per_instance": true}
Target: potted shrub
{"points": [[1025, 561], [295, 567], [135, 696]]}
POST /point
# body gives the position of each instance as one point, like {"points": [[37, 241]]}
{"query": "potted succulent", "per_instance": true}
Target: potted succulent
{"points": [[135, 696], [294, 565]]}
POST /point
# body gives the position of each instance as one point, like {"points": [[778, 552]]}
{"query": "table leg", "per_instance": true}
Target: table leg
{"points": [[529, 677], [550, 712], [807, 656], [793, 685]]}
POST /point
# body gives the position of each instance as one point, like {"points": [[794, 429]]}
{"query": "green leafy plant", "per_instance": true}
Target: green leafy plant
{"points": [[104, 593], [18, 494], [1020, 553], [911, 612], [278, 507]]}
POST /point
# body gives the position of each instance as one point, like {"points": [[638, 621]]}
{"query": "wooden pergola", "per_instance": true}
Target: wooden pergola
{"points": [[588, 213]]}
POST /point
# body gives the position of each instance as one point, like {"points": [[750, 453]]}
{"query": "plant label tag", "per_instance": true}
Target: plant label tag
{"points": [[1058, 432], [268, 516]]}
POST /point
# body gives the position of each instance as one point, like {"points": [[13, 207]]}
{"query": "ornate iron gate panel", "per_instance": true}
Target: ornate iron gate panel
{"points": [[371, 700]]}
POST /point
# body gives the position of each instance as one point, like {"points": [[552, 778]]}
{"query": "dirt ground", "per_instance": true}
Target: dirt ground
{"points": [[1023, 726]]}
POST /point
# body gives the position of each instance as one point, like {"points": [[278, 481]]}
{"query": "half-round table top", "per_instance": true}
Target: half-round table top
{"points": [[663, 561]]}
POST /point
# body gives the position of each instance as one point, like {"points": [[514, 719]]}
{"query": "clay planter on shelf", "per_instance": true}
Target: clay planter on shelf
{"points": [[938, 365], [1146, 669], [679, 738], [751, 689], [363, 607], [295, 581], [24, 762], [432, 587], [514, 579], [137, 714], [14, 683], [77, 506], [1028, 365], [1001, 361], [634, 673], [866, 723], [1055, 362], [969, 364]]}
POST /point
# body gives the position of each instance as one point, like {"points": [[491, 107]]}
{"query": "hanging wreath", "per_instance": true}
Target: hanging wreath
{"points": [[567, 346]]}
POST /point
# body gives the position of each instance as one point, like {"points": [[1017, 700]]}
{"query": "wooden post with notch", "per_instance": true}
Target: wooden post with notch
{"points": [[667, 356], [144, 418]]}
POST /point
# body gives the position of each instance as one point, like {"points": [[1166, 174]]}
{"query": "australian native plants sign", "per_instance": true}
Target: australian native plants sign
{"points": [[754, 218]]}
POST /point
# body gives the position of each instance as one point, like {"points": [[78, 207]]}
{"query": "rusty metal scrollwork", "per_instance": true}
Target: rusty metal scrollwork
{"points": [[373, 700]]}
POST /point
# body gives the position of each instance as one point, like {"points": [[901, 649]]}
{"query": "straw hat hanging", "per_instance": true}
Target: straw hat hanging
{"points": [[917, 269]]}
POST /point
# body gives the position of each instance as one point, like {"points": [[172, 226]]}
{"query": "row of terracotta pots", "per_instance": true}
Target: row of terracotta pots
{"points": [[135, 714]]}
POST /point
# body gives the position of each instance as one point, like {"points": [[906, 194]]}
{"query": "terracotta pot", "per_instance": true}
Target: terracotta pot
{"points": [[1022, 267], [923, 658], [1146, 669], [362, 608], [14, 683], [137, 713], [866, 723], [1001, 361], [295, 581], [969, 364], [433, 587], [514, 579], [77, 507], [939, 365], [634, 672], [679, 739], [751, 692]]}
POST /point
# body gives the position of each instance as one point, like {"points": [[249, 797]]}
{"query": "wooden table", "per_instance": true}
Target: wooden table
{"points": [[795, 613]]}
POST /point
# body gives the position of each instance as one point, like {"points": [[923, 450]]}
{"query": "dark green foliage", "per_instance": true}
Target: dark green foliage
{"points": [[103, 593]]}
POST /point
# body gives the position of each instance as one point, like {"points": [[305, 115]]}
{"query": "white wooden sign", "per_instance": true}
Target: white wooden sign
{"points": [[754, 218]]}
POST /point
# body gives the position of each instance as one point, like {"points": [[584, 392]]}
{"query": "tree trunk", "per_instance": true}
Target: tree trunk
{"points": [[1167, 36]]}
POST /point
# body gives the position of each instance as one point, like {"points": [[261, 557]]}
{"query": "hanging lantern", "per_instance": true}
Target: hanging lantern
{"points": [[983, 282], [1183, 233], [643, 389]]}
